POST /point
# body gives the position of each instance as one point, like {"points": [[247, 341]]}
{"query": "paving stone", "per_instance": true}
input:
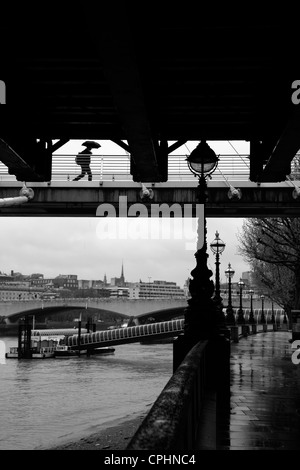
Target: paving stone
{"points": [[265, 396]]}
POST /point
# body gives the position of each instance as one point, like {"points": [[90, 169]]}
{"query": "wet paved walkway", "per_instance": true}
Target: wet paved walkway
{"points": [[265, 395]]}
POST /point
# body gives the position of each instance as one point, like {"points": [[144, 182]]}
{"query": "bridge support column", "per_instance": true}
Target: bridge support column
{"points": [[24, 339]]}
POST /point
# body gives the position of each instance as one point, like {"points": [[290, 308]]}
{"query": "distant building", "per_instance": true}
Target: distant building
{"points": [[66, 281], [16, 292], [5, 278], [40, 281], [248, 278], [186, 288], [85, 284], [118, 292], [119, 281], [156, 290]]}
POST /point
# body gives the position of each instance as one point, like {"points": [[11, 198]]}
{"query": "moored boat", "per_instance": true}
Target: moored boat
{"points": [[62, 350], [12, 354], [43, 353], [101, 351]]}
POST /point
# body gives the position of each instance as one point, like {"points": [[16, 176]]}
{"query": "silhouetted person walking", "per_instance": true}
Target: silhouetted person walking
{"points": [[84, 159]]}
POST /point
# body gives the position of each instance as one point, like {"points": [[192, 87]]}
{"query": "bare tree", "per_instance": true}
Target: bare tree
{"points": [[272, 248], [278, 281]]}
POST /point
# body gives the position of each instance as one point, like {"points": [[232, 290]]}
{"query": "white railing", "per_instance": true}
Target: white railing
{"points": [[127, 334], [117, 168]]}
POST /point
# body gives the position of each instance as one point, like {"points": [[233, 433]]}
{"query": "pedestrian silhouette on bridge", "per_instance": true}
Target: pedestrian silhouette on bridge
{"points": [[83, 159]]}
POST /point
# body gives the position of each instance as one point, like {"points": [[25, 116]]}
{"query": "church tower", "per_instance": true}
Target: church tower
{"points": [[122, 278]]}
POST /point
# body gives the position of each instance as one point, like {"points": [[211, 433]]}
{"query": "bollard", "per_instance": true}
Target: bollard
{"points": [[234, 333], [245, 330], [295, 325]]}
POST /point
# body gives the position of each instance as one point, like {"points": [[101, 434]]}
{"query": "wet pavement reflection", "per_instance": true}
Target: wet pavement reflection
{"points": [[264, 411]]}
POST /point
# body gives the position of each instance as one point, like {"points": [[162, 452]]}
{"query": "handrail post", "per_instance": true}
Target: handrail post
{"points": [[222, 384]]}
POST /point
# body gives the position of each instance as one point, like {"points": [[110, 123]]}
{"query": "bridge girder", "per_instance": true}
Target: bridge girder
{"points": [[147, 77], [57, 199]]}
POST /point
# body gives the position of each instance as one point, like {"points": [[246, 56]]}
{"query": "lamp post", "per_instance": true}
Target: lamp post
{"points": [[241, 318], [217, 246], [262, 318], [200, 315], [229, 273], [251, 317]]}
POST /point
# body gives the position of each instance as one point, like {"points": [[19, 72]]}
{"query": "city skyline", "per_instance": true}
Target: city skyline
{"points": [[54, 246]]}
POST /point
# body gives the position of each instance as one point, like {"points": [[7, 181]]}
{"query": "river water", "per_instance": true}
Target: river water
{"points": [[46, 402]]}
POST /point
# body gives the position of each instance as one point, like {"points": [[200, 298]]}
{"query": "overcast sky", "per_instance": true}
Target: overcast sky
{"points": [[93, 247], [55, 246]]}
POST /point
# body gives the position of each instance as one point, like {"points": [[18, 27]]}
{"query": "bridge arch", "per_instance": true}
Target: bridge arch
{"points": [[52, 311], [142, 308]]}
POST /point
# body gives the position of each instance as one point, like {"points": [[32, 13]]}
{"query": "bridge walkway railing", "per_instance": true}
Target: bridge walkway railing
{"points": [[186, 414], [125, 335], [117, 168]]}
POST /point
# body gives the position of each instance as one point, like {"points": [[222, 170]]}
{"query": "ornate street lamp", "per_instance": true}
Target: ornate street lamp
{"points": [[217, 247], [202, 161], [200, 315], [241, 318], [262, 318], [229, 273], [251, 317]]}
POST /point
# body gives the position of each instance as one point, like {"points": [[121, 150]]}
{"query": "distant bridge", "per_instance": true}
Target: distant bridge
{"points": [[13, 310], [132, 334], [149, 331]]}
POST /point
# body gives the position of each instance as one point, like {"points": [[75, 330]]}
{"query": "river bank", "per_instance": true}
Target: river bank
{"points": [[114, 435]]}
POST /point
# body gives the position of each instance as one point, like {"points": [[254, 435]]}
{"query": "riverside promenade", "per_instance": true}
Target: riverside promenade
{"points": [[264, 409]]}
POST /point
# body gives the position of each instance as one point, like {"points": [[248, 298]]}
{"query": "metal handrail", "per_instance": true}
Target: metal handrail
{"points": [[232, 167], [117, 168]]}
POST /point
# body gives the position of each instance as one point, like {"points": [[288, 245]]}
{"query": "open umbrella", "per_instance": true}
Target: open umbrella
{"points": [[91, 144]]}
